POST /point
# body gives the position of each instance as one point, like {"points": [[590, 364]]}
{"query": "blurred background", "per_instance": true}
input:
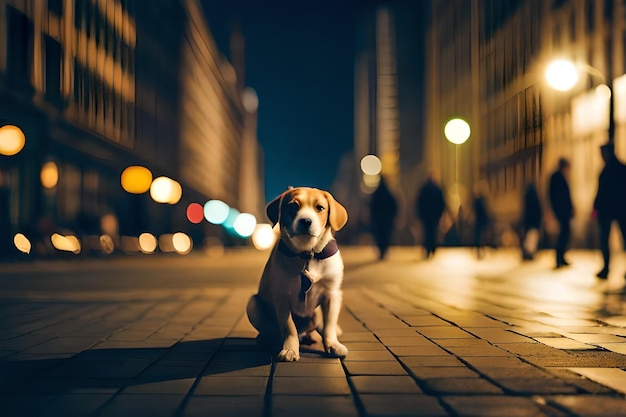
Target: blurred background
{"points": [[136, 126]]}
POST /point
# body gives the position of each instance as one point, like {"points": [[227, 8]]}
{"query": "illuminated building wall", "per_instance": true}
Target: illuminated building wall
{"points": [[97, 85], [520, 126]]}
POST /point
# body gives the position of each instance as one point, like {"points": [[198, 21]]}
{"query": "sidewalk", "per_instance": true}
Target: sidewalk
{"points": [[448, 337]]}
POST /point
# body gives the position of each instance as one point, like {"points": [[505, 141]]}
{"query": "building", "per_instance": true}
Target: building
{"points": [[98, 85], [494, 61]]}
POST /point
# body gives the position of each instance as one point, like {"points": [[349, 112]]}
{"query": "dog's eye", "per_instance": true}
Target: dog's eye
{"points": [[319, 207]]}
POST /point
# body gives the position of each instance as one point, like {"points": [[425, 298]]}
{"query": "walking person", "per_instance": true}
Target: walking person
{"points": [[429, 209], [531, 222], [481, 222], [561, 202], [383, 212], [610, 202]]}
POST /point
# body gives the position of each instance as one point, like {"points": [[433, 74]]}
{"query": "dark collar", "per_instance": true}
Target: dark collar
{"points": [[329, 250]]}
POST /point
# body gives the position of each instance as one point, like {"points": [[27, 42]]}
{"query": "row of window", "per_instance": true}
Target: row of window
{"points": [[515, 176]]}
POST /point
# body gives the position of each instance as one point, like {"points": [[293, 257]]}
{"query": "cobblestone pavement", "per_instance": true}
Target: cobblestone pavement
{"points": [[448, 337]]}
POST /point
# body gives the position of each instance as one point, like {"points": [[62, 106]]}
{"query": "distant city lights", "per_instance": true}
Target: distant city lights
{"points": [[22, 243], [457, 131], [195, 213], [229, 223], [182, 243], [147, 243], [166, 190], [12, 140], [136, 179], [107, 244], [263, 237], [49, 175], [68, 243], [216, 211], [244, 224], [562, 75], [371, 165]]}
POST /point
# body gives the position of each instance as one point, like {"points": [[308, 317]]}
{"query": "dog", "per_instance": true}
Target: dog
{"points": [[300, 288]]}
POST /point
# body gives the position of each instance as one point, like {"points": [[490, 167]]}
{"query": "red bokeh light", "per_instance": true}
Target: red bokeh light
{"points": [[195, 213]]}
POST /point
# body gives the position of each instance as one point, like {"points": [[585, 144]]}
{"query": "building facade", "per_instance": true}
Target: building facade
{"points": [[98, 85], [520, 125]]}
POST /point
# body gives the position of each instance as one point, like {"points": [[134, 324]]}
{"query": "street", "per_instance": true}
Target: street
{"points": [[452, 336]]}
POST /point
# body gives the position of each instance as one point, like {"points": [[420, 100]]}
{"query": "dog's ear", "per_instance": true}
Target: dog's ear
{"points": [[273, 209], [337, 214]]}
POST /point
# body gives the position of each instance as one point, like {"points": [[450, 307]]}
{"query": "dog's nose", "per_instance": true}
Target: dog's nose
{"points": [[305, 222]]}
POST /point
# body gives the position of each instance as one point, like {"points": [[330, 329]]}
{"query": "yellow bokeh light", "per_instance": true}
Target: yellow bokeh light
{"points": [[371, 165], [68, 243], [147, 242], [22, 243], [136, 179], [457, 131], [182, 243], [49, 175], [107, 244], [166, 190], [12, 140], [263, 236], [562, 75]]}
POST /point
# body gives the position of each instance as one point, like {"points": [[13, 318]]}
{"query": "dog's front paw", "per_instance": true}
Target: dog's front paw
{"points": [[288, 355], [336, 348]]}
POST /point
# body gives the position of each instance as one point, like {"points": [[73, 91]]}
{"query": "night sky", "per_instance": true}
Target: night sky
{"points": [[300, 61]]}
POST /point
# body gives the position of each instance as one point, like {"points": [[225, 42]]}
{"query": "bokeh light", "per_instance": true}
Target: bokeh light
{"points": [[561, 75], [69, 243], [216, 211], [371, 165], [182, 243], [195, 213], [49, 175], [107, 244], [12, 140], [263, 237], [136, 179], [22, 243], [250, 100], [244, 224], [229, 223], [166, 190], [457, 131], [147, 242]]}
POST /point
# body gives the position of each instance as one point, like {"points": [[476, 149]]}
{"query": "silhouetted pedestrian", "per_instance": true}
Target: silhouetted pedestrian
{"points": [[429, 208], [561, 202], [531, 222], [383, 212], [610, 202], [481, 222]]}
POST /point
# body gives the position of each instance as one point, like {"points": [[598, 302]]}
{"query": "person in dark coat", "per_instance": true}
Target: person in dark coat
{"points": [[481, 222], [561, 202], [531, 222], [383, 212], [610, 202], [429, 209]]}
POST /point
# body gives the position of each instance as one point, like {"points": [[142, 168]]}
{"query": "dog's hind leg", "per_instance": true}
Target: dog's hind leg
{"points": [[263, 318]]}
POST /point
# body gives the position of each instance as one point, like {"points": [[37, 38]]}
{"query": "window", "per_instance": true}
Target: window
{"points": [[20, 36], [53, 69], [56, 7]]}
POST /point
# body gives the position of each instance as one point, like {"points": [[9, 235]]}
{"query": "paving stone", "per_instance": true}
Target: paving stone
{"points": [[156, 405], [234, 370], [584, 385], [176, 386], [24, 405], [493, 406], [591, 406], [613, 378], [497, 335], [532, 349], [424, 321], [614, 347], [416, 340], [463, 386], [401, 332], [468, 351], [369, 355], [224, 407], [365, 346], [310, 386], [74, 405], [380, 384], [595, 338], [444, 332], [425, 350], [564, 343], [104, 369], [531, 386], [488, 361], [375, 368], [292, 405], [427, 372], [223, 386], [401, 405], [581, 359], [364, 336], [311, 369], [440, 360]]}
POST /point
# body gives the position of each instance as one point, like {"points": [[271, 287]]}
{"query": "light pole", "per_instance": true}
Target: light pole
{"points": [[563, 75], [457, 131]]}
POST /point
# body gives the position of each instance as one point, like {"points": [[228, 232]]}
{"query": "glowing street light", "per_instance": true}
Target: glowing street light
{"points": [[136, 179], [263, 237], [562, 75], [371, 165], [457, 131], [49, 175], [12, 140], [166, 190], [244, 224]]}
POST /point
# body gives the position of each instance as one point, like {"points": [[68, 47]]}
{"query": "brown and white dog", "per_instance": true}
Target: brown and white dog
{"points": [[300, 289]]}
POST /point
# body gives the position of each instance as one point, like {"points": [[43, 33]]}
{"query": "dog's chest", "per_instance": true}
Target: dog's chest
{"points": [[312, 288]]}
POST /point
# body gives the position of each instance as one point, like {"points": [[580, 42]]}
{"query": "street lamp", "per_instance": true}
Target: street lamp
{"points": [[562, 75], [457, 131]]}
